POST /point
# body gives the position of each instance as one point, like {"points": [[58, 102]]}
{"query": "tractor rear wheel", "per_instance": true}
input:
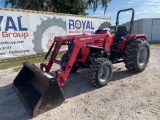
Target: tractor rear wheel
{"points": [[137, 55], [100, 72]]}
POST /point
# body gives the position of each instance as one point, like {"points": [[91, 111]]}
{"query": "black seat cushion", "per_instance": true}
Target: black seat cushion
{"points": [[120, 34], [122, 31]]}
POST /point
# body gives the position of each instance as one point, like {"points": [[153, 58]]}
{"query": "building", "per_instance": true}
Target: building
{"points": [[148, 26]]}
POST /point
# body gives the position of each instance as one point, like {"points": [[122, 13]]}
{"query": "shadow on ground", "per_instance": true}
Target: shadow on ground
{"points": [[78, 82], [12, 108], [10, 105], [119, 74]]}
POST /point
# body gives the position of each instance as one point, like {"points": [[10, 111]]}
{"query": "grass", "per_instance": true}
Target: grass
{"points": [[36, 59], [155, 43]]}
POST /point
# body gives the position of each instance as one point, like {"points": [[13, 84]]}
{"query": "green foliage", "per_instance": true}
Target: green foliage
{"points": [[60, 6], [93, 4], [69, 6]]}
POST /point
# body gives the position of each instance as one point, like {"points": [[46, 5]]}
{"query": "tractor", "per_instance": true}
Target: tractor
{"points": [[40, 91]]}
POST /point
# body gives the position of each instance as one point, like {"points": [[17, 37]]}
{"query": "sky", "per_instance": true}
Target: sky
{"points": [[143, 9]]}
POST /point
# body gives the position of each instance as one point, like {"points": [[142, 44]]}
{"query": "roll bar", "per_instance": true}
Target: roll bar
{"points": [[132, 18]]}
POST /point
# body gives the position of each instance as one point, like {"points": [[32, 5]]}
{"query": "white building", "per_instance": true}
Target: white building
{"points": [[148, 26]]}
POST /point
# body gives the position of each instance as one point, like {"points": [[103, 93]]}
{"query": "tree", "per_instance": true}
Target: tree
{"points": [[95, 3], [69, 6], [60, 6]]}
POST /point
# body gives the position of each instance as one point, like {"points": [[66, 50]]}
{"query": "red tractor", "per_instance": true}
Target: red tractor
{"points": [[41, 91]]}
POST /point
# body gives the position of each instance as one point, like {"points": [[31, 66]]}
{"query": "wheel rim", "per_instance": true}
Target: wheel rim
{"points": [[104, 73], [142, 57]]}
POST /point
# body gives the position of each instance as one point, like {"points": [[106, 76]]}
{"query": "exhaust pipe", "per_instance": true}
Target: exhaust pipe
{"points": [[38, 90]]}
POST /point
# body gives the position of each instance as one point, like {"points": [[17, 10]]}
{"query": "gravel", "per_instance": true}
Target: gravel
{"points": [[127, 97]]}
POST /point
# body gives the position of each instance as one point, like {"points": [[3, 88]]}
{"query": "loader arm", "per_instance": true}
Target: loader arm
{"points": [[77, 43], [41, 91], [38, 90]]}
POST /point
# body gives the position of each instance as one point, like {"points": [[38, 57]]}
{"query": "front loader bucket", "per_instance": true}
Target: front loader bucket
{"points": [[38, 90]]}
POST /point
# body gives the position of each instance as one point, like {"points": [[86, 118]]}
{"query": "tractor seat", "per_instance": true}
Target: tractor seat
{"points": [[120, 34]]}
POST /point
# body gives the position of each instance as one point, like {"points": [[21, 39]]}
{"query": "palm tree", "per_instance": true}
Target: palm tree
{"points": [[94, 4]]}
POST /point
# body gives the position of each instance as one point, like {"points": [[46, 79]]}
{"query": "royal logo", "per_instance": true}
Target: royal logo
{"points": [[12, 27], [77, 24]]}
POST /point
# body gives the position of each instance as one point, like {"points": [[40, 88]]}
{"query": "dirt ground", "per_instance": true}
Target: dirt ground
{"points": [[127, 97]]}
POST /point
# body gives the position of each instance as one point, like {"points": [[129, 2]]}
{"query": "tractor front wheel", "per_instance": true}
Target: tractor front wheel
{"points": [[100, 72], [137, 55]]}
